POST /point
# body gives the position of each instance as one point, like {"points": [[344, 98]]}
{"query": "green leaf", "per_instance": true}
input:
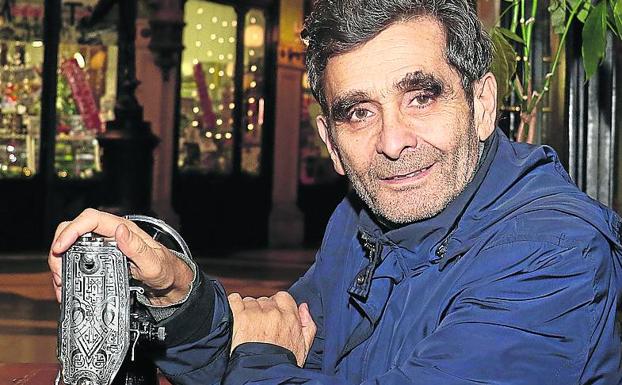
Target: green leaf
{"points": [[584, 8], [617, 16], [594, 38], [510, 35], [503, 64], [557, 9]]}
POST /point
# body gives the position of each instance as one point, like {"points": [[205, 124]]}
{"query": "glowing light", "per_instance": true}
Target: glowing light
{"points": [[221, 73], [251, 100], [234, 23], [221, 40], [250, 127], [214, 19], [195, 110], [62, 174], [208, 134], [225, 24], [221, 57], [218, 136], [209, 53], [37, 44], [26, 171], [197, 43], [12, 158], [231, 106], [211, 70], [228, 135], [232, 39], [80, 59], [253, 68], [230, 56], [253, 20], [194, 93], [219, 122], [251, 52], [213, 36], [221, 107], [253, 84], [212, 86], [250, 113], [195, 61], [195, 123], [200, 11], [10, 148], [199, 27]]}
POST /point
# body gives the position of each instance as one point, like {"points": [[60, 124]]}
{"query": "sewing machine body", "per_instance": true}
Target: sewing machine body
{"points": [[94, 329]]}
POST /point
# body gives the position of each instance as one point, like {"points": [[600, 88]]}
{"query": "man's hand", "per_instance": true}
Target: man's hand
{"points": [[276, 320], [166, 277]]}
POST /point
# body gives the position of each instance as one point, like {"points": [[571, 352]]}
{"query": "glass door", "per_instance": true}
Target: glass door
{"points": [[227, 73]]}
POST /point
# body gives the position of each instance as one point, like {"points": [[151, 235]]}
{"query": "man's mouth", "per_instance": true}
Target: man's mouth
{"points": [[414, 175]]}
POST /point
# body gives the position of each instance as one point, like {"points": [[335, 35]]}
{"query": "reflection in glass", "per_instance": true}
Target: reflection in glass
{"points": [[207, 104], [21, 58], [86, 93], [254, 97]]}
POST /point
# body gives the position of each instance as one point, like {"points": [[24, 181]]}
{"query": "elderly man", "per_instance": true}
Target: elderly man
{"points": [[462, 258]]}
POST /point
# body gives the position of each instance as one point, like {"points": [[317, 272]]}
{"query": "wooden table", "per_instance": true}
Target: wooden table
{"points": [[34, 374]]}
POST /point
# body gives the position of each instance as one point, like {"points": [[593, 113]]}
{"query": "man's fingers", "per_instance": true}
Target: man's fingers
{"points": [[308, 326], [235, 303], [90, 220], [285, 302], [132, 245]]}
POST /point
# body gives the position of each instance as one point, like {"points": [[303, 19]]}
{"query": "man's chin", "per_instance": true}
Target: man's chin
{"points": [[397, 214]]}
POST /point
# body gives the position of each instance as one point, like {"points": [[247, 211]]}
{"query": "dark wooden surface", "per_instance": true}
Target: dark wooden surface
{"points": [[34, 374]]}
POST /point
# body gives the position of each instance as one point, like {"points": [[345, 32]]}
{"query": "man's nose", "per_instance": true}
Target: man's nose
{"points": [[396, 136]]}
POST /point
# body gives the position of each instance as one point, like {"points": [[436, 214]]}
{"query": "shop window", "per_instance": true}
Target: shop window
{"points": [[222, 99], [21, 59], [86, 93], [316, 167]]}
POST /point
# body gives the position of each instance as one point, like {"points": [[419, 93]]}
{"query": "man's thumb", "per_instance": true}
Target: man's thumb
{"points": [[308, 326], [129, 243]]}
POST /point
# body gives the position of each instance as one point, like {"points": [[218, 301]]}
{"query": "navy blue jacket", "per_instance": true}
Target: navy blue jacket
{"points": [[515, 282]]}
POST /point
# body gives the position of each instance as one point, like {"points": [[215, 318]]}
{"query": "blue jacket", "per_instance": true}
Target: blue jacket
{"points": [[515, 282]]}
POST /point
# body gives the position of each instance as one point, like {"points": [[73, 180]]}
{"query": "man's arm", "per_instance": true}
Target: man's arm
{"points": [[551, 321]]}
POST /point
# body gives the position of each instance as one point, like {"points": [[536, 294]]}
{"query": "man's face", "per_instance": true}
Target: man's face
{"points": [[402, 128]]}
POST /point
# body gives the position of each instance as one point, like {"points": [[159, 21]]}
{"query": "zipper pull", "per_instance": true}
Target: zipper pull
{"points": [[362, 282]]}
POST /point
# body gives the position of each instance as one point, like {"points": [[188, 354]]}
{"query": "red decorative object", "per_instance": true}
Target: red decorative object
{"points": [[209, 118], [82, 95]]}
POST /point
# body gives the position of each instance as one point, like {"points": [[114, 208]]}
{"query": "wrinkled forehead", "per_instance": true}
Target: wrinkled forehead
{"points": [[416, 45]]}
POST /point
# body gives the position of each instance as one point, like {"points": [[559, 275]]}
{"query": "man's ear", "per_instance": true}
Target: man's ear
{"points": [[322, 128], [485, 105]]}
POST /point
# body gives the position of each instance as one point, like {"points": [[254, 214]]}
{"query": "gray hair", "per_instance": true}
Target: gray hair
{"points": [[336, 27]]}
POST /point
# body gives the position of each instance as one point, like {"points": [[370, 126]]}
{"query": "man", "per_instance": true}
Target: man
{"points": [[462, 258]]}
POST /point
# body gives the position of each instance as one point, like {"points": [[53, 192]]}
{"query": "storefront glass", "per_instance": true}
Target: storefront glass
{"points": [[216, 136], [254, 96], [316, 166], [86, 90], [21, 58], [86, 93]]}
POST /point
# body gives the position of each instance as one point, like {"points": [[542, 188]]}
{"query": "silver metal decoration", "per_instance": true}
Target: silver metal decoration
{"points": [[94, 329]]}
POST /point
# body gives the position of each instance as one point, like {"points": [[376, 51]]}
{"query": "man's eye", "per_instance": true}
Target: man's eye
{"points": [[422, 100], [360, 114]]}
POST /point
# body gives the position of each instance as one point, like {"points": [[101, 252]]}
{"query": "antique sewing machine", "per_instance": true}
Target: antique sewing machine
{"points": [[104, 333]]}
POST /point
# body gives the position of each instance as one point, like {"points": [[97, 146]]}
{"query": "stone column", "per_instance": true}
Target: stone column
{"points": [[157, 95], [286, 220]]}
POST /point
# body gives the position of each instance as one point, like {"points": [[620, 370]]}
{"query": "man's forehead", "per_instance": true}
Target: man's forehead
{"points": [[413, 46]]}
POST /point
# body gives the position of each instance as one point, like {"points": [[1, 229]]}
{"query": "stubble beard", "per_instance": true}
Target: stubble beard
{"points": [[450, 176]]}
